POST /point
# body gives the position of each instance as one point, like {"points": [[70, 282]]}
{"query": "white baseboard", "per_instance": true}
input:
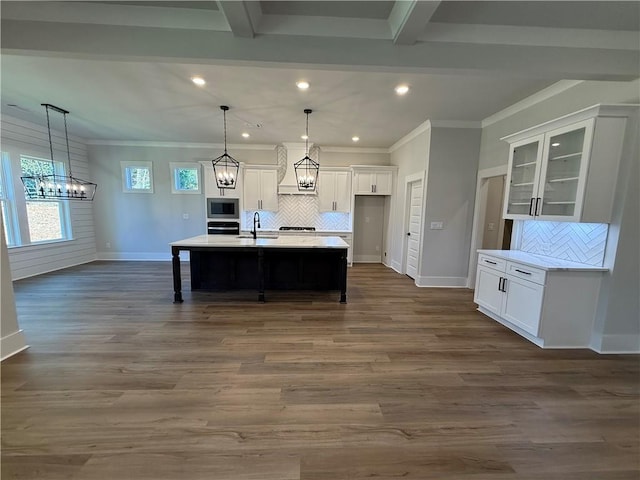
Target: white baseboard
{"points": [[396, 266], [367, 259], [141, 256], [629, 343], [12, 344], [444, 282]]}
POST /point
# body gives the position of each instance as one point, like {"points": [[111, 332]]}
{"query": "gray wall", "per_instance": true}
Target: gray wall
{"points": [[495, 152], [453, 162], [368, 226]]}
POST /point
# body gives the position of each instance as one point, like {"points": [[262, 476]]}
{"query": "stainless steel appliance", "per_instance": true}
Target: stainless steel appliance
{"points": [[298, 229], [223, 228], [223, 208]]}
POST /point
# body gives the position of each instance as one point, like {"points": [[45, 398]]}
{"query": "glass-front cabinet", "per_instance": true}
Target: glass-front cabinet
{"points": [[547, 174]]}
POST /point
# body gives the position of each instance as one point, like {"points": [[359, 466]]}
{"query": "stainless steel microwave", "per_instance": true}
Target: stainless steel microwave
{"points": [[223, 208]]}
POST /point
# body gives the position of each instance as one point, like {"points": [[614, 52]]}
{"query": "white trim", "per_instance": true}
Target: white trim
{"points": [[395, 266], [367, 259], [455, 124], [441, 282], [531, 100], [143, 143], [423, 127], [478, 217], [619, 343], [420, 176], [353, 150], [12, 344]]}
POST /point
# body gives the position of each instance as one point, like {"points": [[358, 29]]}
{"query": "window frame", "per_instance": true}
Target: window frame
{"points": [[175, 167], [126, 178]]}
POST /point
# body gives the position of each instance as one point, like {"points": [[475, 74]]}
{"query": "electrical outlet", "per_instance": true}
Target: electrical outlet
{"points": [[377, 248], [367, 219], [185, 216], [436, 226], [108, 245], [491, 227]]}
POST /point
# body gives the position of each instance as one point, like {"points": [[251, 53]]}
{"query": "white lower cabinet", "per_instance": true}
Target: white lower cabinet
{"points": [[551, 308]]}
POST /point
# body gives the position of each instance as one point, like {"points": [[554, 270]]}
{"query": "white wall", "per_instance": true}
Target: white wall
{"points": [[32, 139], [453, 165], [368, 226]]}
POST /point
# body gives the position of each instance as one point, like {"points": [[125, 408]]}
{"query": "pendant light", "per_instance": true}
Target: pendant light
{"points": [[53, 186], [225, 167], [307, 169]]}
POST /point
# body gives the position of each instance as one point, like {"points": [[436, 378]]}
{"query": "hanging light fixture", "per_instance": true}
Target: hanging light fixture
{"points": [[225, 167], [53, 186], [307, 169]]}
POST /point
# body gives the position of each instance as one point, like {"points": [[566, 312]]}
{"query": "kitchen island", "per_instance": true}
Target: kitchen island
{"points": [[229, 262]]}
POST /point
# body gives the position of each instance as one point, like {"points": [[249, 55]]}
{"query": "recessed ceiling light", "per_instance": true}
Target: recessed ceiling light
{"points": [[304, 137], [245, 135], [302, 85], [355, 139], [402, 89], [198, 81], [555, 144]]}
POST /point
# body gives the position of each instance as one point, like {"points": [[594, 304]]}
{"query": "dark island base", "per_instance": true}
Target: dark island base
{"points": [[261, 269]]}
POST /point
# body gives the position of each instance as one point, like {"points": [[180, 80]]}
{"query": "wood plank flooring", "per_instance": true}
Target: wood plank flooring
{"points": [[402, 382]]}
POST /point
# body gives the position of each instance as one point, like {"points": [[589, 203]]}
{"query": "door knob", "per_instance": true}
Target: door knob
{"points": [[408, 234]]}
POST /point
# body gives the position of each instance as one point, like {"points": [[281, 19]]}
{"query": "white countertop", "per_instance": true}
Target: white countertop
{"points": [[540, 261], [287, 241]]}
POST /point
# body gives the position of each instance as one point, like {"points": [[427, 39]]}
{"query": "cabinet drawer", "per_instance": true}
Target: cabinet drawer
{"points": [[492, 262], [526, 272]]}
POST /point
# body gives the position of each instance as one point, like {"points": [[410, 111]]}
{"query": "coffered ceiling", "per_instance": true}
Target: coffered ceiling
{"points": [[123, 68]]}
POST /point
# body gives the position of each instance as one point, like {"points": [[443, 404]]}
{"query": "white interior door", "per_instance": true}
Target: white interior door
{"points": [[413, 234]]}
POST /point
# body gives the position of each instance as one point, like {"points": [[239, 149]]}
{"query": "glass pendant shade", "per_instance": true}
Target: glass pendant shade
{"points": [[225, 167], [55, 186], [307, 169]]}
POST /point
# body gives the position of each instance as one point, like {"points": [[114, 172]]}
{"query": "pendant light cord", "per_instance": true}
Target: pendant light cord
{"points": [[306, 140], [53, 168], [224, 114], [66, 134]]}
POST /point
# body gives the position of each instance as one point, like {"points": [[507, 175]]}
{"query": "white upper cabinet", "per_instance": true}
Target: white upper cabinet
{"points": [[566, 170], [334, 191], [260, 189], [212, 191], [372, 180]]}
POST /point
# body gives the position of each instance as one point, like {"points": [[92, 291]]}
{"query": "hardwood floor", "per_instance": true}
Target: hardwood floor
{"points": [[402, 382]]}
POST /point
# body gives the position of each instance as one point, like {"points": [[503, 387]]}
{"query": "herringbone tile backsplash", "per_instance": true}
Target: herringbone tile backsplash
{"points": [[300, 211], [577, 242]]}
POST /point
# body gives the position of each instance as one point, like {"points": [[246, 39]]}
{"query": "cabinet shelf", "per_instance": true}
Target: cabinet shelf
{"points": [[520, 203], [521, 184], [568, 179], [564, 157], [559, 203], [524, 164]]}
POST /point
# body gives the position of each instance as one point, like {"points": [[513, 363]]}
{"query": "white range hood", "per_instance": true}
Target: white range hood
{"points": [[290, 154]]}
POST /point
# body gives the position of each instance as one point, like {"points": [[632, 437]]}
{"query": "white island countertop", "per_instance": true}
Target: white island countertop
{"points": [[287, 241], [540, 261]]}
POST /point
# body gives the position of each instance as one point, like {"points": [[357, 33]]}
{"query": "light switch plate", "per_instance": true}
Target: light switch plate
{"points": [[436, 226]]}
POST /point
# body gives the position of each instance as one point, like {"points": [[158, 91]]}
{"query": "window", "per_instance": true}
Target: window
{"points": [[137, 177], [6, 205], [45, 218], [185, 178]]}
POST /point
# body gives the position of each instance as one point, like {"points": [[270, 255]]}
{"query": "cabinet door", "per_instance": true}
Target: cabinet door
{"points": [[383, 183], [363, 183], [269, 188], [564, 172], [252, 189], [525, 160], [326, 191], [487, 292], [343, 192], [523, 304]]}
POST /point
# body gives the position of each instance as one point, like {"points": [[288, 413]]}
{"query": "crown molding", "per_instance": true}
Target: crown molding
{"points": [[423, 127], [353, 150], [544, 94], [455, 124], [140, 143]]}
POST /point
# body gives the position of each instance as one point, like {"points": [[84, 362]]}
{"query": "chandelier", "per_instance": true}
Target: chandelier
{"points": [[225, 167], [53, 185], [306, 169]]}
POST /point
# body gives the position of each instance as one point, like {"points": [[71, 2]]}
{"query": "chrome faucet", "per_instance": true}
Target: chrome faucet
{"points": [[256, 219]]}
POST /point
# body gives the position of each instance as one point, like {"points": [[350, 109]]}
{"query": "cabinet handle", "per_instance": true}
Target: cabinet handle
{"points": [[375, 188], [531, 206], [500, 284], [489, 261], [537, 213], [522, 271], [504, 285]]}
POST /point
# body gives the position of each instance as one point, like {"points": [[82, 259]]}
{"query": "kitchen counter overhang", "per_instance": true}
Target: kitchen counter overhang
{"points": [[227, 262]]}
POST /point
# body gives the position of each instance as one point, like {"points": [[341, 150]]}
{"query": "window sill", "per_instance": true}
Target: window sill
{"points": [[40, 244]]}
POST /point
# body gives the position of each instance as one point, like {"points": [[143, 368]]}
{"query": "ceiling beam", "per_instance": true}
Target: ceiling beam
{"points": [[409, 18], [243, 16]]}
